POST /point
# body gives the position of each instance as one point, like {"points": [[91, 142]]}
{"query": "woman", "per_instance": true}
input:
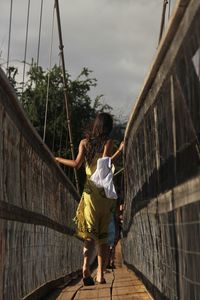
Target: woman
{"points": [[95, 209]]}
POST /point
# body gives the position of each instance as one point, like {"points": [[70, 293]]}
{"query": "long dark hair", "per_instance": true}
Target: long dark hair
{"points": [[98, 135]]}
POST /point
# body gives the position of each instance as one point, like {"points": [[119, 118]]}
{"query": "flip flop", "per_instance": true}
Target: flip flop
{"points": [[88, 281]]}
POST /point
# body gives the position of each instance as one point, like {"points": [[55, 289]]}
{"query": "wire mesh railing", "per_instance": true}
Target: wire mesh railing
{"points": [[162, 161], [37, 205]]}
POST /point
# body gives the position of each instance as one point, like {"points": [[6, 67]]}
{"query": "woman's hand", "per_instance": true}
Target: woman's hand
{"points": [[121, 147]]}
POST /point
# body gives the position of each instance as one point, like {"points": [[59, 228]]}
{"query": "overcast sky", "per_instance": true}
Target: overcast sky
{"points": [[116, 39]]}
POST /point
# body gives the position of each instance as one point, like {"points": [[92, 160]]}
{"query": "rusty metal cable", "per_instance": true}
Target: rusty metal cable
{"points": [[61, 46], [9, 34], [162, 25], [169, 9], [49, 74], [40, 29], [26, 43]]}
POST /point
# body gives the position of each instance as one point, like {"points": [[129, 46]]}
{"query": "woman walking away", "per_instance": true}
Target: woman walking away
{"points": [[99, 197]]}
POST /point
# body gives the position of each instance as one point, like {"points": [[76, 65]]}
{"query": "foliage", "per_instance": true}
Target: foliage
{"points": [[45, 88], [34, 100]]}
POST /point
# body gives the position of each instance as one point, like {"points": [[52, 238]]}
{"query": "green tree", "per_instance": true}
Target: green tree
{"points": [[83, 108]]}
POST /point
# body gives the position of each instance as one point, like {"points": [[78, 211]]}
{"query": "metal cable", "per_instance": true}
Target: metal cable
{"points": [[49, 74], [169, 9], [61, 46], [162, 25], [9, 35], [40, 29], [26, 42]]}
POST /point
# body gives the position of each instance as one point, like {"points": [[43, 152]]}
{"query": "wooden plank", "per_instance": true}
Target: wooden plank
{"points": [[128, 290], [65, 293], [120, 282], [95, 292], [127, 286], [136, 283], [132, 297]]}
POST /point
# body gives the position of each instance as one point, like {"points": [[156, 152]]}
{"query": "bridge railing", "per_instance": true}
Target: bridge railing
{"points": [[162, 161], [37, 205]]}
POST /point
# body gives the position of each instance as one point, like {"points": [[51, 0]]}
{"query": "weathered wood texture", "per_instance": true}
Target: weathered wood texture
{"points": [[37, 204], [121, 284], [162, 161]]}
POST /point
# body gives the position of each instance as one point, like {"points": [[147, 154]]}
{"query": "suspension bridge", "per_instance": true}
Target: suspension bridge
{"points": [[158, 257]]}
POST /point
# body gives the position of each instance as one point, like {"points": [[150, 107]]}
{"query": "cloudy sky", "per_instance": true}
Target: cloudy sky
{"points": [[116, 39]]}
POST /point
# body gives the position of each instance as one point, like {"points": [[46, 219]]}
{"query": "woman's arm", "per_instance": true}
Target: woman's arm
{"points": [[108, 150], [79, 159], [117, 152]]}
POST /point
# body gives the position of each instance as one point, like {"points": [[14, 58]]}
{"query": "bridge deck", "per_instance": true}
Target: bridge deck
{"points": [[120, 284]]}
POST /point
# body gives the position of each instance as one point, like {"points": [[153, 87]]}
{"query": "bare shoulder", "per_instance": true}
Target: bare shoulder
{"points": [[108, 148]]}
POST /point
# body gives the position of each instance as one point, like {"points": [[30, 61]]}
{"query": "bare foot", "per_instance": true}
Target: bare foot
{"points": [[100, 278]]}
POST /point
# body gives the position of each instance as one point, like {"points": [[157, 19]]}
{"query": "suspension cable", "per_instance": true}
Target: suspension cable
{"points": [[26, 43], [54, 131], [9, 35], [60, 144], [40, 29], [49, 74], [165, 2], [169, 8], [61, 46]]}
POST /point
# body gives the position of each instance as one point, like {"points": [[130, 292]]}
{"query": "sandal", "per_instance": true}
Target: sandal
{"points": [[88, 281]]}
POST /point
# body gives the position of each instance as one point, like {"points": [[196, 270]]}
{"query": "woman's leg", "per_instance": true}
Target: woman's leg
{"points": [[102, 255], [87, 254]]}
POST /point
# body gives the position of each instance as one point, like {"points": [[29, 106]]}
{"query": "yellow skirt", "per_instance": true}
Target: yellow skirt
{"points": [[94, 213]]}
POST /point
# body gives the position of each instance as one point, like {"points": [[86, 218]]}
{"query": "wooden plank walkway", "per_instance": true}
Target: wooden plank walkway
{"points": [[120, 284]]}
